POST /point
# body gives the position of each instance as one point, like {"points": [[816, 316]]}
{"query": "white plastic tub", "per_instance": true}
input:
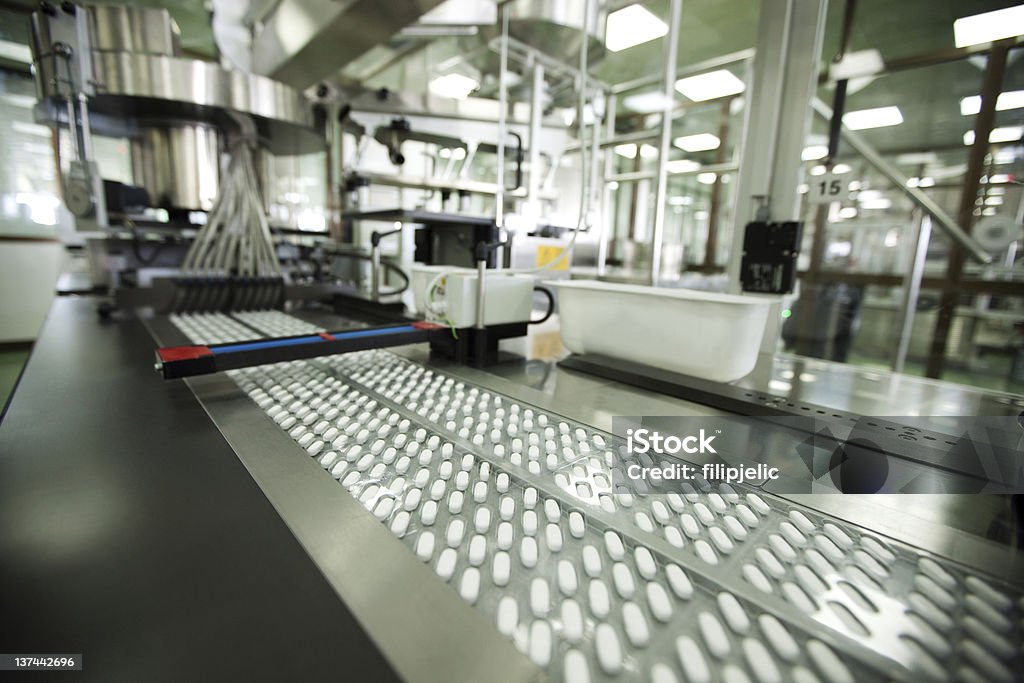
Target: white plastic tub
{"points": [[704, 334]]}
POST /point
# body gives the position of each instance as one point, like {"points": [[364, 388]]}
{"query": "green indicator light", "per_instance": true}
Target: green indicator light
{"points": [[786, 313]]}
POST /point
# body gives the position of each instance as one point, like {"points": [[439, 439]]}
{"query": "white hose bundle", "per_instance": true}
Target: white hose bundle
{"points": [[236, 239]]}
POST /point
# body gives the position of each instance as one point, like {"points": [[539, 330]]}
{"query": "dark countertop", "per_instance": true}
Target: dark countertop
{"points": [[131, 533]]}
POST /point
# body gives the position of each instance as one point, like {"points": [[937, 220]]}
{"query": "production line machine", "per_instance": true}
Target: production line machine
{"points": [[319, 485]]}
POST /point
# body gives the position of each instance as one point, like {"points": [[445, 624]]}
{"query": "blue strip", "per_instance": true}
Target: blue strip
{"points": [[298, 341]]}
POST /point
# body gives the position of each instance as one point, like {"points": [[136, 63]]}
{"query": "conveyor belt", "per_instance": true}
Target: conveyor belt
{"points": [[511, 505]]}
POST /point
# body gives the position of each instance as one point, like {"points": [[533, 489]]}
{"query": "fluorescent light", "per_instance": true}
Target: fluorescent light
{"points": [[840, 169], [998, 178], [878, 117], [647, 102], [680, 201], [706, 178], [700, 215], [628, 150], [455, 86], [917, 158], [993, 191], [1004, 134], [881, 203], [818, 170], [709, 86], [22, 101], [701, 142], [31, 129], [854, 185], [15, 52], [1011, 99], [990, 26], [802, 188], [989, 211], [848, 212], [857, 64], [682, 166], [869, 194], [814, 152], [631, 26], [994, 201], [927, 182]]}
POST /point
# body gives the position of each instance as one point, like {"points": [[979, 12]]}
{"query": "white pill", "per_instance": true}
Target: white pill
{"points": [[591, 561], [609, 651], [540, 597], [704, 514], [679, 582], [482, 519], [733, 613], [505, 535], [501, 568], [934, 570], [462, 480], [477, 550], [528, 552], [779, 638], [695, 667], [792, 534], [576, 670], [501, 482], [480, 492], [508, 615], [428, 513], [339, 469], [437, 490], [760, 661], [838, 535], [735, 528], [713, 634], [690, 526], [986, 613], [673, 536], [577, 525], [455, 502], [551, 510], [705, 551], [987, 593], [400, 524], [598, 597], [993, 668], [781, 549], [469, 585], [567, 582], [623, 580], [572, 620], [425, 545], [659, 602], [645, 562], [412, 499], [456, 530], [529, 522], [530, 497], [540, 642], [613, 545], [827, 663], [553, 537], [384, 507], [795, 595], [637, 630], [445, 470]]}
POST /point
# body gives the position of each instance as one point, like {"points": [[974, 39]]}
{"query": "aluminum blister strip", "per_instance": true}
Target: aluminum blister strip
{"points": [[862, 593]]}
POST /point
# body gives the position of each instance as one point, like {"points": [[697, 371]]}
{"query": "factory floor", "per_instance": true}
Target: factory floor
{"points": [[11, 362]]}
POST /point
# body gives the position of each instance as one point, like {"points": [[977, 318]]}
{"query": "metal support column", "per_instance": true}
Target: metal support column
{"points": [[607, 217], [912, 287], [536, 115], [661, 188], [990, 89]]}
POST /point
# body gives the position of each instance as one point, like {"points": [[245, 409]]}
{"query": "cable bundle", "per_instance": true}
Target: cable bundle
{"points": [[236, 240]]}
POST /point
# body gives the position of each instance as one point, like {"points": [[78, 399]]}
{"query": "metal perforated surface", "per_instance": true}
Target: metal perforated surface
{"points": [[512, 506]]}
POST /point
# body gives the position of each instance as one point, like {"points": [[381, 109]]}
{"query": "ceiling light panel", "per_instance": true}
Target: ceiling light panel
{"points": [[990, 26], [878, 117], [1011, 99], [455, 86], [700, 142], [632, 26], [710, 86]]}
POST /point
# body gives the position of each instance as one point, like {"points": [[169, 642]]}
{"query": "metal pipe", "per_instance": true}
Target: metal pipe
{"points": [[375, 272], [499, 195], [912, 287], [661, 188], [606, 197], [536, 114], [662, 184], [481, 291], [944, 220]]}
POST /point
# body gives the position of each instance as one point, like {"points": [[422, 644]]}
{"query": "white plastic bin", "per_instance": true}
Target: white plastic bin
{"points": [[704, 334]]}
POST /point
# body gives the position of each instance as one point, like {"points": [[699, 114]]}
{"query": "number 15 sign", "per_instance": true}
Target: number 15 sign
{"points": [[826, 188]]}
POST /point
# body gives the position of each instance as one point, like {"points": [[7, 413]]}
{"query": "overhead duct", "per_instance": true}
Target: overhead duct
{"points": [[304, 41]]}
